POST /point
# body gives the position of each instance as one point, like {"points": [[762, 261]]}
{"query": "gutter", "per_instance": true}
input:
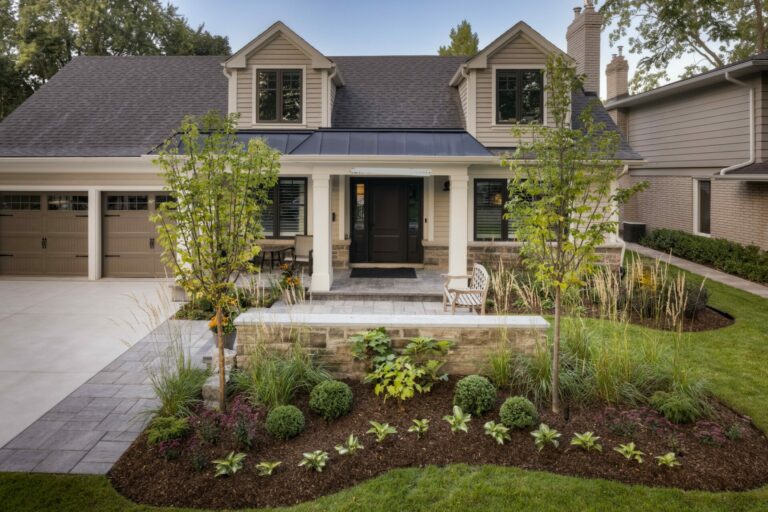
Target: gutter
{"points": [[751, 119]]}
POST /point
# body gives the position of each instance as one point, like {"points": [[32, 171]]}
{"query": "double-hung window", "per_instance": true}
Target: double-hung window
{"points": [[279, 95], [286, 216], [704, 203], [519, 96], [491, 196]]}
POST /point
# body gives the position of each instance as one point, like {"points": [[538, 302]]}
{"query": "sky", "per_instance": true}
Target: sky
{"points": [[388, 27]]}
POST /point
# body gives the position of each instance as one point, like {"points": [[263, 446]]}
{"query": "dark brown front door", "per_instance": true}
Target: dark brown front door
{"points": [[386, 220]]}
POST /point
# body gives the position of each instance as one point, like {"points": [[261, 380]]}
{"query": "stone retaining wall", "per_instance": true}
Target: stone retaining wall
{"points": [[473, 344]]}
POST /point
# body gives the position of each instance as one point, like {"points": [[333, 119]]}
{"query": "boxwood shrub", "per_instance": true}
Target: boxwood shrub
{"points": [[518, 412], [285, 422], [475, 394], [331, 399], [748, 262]]}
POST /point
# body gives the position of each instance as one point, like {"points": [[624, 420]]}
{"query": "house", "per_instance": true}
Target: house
{"points": [[385, 159], [705, 142]]}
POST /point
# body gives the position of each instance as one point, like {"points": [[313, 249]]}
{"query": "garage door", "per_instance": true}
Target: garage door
{"points": [[130, 242], [44, 233]]}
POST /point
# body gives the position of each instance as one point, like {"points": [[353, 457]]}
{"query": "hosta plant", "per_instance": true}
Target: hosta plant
{"points": [[230, 464], [587, 441], [315, 460], [266, 468], [497, 431], [350, 446], [668, 459], [381, 430], [630, 452], [397, 377], [459, 420], [419, 427], [544, 436]]}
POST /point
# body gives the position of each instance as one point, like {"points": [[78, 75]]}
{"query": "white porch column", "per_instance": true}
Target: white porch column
{"points": [[457, 235], [94, 234], [322, 272]]}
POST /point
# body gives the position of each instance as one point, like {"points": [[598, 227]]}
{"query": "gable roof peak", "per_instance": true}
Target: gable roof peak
{"points": [[238, 59]]}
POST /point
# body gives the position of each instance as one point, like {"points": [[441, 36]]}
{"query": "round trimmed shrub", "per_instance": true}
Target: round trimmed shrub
{"points": [[285, 422], [331, 399], [475, 394], [518, 412]]}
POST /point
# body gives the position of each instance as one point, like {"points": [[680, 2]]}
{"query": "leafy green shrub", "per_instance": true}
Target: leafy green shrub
{"points": [[682, 404], [285, 422], [331, 399], [748, 262], [274, 379], [374, 346], [397, 377], [165, 428], [518, 412], [475, 394]]}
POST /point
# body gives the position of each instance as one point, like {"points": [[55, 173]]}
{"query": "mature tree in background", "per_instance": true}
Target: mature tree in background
{"points": [[41, 36], [210, 233], [716, 32], [463, 41], [564, 202]]}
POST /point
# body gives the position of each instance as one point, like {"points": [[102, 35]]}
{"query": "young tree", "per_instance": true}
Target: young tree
{"points": [[716, 32], [463, 41], [563, 195], [210, 233]]}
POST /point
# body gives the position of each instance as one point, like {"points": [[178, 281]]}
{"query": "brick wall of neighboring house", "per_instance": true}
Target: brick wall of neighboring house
{"points": [[666, 203], [740, 212]]}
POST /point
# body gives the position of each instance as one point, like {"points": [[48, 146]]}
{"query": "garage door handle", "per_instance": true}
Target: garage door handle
{"points": [[81, 255], [81, 215], [44, 243], [151, 243], [6, 255], [6, 215], [111, 255], [111, 214]]}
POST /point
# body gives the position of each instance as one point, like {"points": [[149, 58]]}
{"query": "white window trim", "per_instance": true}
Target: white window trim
{"points": [[696, 215], [502, 67], [254, 120]]}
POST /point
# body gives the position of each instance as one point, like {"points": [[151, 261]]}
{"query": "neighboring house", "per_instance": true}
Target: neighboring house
{"points": [[705, 142], [385, 159]]}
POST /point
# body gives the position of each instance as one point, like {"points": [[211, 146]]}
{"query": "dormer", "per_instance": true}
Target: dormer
{"points": [[279, 81], [503, 85]]}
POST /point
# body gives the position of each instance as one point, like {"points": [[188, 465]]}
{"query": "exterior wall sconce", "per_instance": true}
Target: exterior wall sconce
{"points": [[447, 186]]}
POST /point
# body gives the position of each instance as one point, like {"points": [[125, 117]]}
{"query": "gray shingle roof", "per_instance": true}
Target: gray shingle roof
{"points": [[581, 101], [113, 106], [397, 92]]}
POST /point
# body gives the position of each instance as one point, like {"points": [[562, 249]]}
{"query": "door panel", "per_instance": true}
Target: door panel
{"points": [[386, 223]]}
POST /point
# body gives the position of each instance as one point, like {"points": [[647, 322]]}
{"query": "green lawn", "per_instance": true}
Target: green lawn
{"points": [[732, 359]]}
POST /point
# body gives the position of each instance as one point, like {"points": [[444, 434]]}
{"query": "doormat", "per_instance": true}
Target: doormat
{"points": [[391, 273]]}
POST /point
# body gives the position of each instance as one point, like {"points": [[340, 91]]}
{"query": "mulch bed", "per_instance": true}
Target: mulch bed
{"points": [[709, 460]]}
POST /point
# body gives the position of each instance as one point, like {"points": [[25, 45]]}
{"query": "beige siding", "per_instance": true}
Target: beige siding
{"points": [[280, 52], [442, 210], [707, 128], [519, 51]]}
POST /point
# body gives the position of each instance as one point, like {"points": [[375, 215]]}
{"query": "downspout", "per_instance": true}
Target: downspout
{"points": [[751, 115]]}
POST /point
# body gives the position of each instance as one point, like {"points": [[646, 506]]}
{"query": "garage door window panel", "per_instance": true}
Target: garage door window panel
{"points": [[67, 203], [128, 203], [19, 202]]}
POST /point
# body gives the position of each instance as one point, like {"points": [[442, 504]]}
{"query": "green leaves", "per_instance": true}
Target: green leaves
{"points": [[266, 468], [229, 465], [350, 446], [381, 430], [419, 427], [397, 377], [544, 435], [459, 420], [630, 452], [587, 441], [315, 460], [497, 431]]}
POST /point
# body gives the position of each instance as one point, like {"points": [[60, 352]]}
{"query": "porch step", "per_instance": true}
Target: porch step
{"points": [[378, 295]]}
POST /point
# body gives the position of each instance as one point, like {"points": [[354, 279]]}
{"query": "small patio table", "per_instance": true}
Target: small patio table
{"points": [[276, 254]]}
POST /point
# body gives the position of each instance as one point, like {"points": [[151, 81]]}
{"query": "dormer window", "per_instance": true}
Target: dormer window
{"points": [[279, 95], [519, 96]]}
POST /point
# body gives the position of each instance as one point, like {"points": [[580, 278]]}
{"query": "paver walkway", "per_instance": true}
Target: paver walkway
{"points": [[702, 270], [91, 428]]}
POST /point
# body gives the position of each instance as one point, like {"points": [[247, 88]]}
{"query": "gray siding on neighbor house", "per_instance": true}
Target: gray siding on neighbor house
{"points": [[762, 117], [280, 52], [704, 128]]}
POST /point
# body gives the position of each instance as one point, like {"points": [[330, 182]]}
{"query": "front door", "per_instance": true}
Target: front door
{"points": [[386, 220]]}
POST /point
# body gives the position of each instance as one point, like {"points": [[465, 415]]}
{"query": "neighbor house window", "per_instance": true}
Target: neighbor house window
{"points": [[287, 215], [519, 96], [490, 198], [704, 201], [278, 95]]}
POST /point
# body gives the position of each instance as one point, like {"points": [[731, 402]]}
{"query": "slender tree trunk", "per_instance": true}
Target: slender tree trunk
{"points": [[759, 26], [222, 365], [556, 353]]}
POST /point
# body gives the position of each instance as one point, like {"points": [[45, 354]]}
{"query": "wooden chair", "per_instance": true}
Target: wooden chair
{"points": [[472, 296], [301, 252]]}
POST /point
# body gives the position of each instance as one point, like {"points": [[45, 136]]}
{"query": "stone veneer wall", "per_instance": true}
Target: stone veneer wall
{"points": [[490, 254], [340, 254], [331, 344]]}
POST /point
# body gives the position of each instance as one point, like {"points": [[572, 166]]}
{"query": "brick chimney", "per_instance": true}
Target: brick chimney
{"points": [[617, 77], [617, 85], [583, 38]]}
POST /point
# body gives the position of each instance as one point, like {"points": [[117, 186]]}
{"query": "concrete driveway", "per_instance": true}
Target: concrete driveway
{"points": [[56, 334]]}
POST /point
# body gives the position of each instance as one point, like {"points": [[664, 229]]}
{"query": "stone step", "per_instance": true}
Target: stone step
{"points": [[379, 295]]}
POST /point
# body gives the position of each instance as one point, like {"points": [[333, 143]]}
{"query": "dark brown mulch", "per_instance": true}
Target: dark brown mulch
{"points": [[709, 460]]}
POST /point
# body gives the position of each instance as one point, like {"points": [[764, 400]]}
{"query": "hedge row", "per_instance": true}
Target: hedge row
{"points": [[748, 262]]}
